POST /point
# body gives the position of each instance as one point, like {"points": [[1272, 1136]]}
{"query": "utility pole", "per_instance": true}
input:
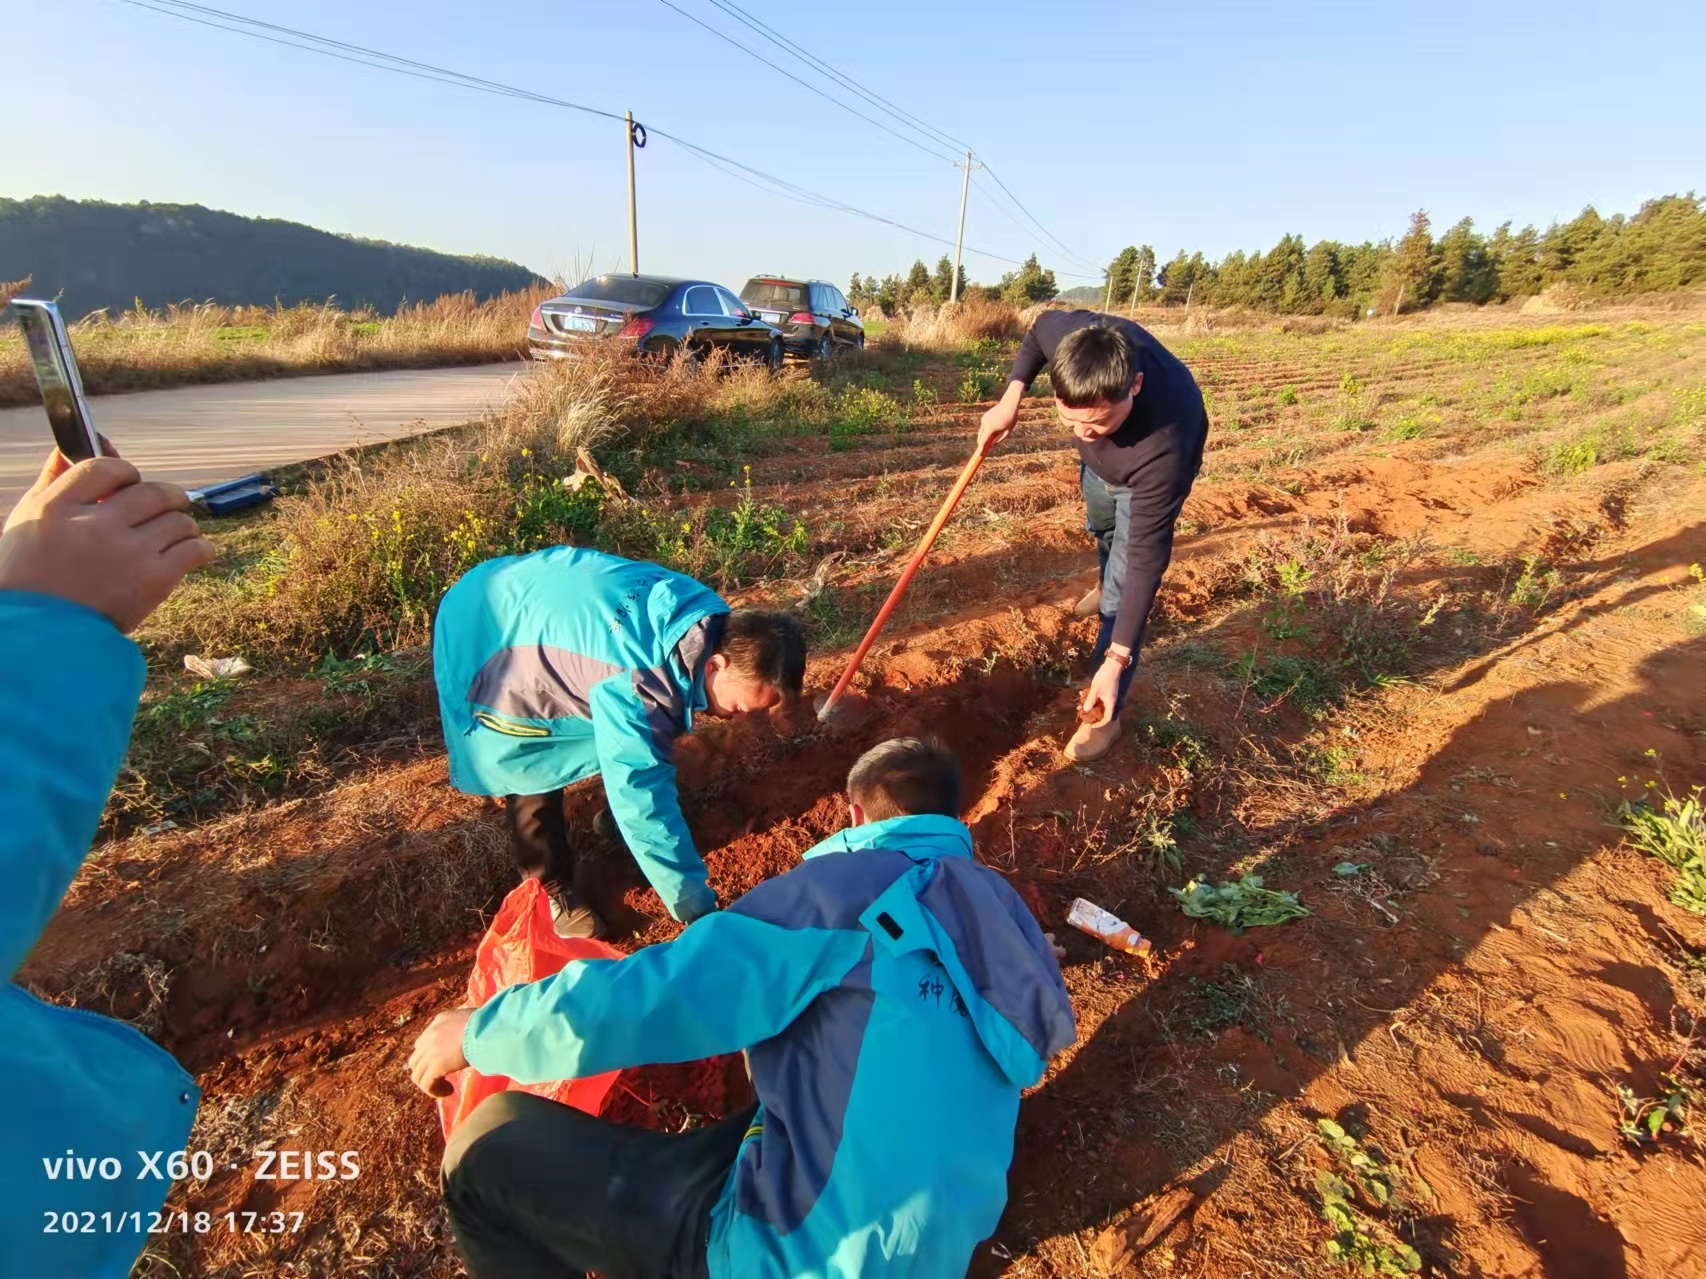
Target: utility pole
{"points": [[960, 239], [1136, 275], [1108, 295], [628, 128]]}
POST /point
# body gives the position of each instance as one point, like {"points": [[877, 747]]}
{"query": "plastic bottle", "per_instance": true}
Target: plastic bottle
{"points": [[1090, 918]]}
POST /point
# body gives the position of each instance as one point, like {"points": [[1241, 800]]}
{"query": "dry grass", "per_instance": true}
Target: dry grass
{"points": [[141, 349], [953, 326], [361, 557], [8, 291]]}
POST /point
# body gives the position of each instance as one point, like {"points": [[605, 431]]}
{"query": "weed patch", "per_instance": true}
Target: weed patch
{"points": [[1674, 831]]}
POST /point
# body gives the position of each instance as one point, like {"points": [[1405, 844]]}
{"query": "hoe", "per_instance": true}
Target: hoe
{"points": [[838, 706]]}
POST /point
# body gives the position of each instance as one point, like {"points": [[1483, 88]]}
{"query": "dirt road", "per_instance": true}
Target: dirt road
{"points": [[202, 434]]}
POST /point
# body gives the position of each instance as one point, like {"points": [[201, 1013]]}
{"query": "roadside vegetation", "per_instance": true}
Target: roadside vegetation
{"points": [[141, 349]]}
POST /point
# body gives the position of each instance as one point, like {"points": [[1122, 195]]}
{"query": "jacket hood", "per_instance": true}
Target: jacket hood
{"points": [[985, 937]]}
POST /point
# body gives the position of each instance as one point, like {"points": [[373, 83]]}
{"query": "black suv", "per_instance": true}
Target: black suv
{"points": [[814, 317]]}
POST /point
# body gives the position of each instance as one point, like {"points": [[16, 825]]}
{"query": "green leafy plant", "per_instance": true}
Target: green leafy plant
{"points": [[976, 385], [361, 675], [1645, 1121], [922, 394], [1351, 1245], [1535, 583], [1350, 384], [1355, 1243], [861, 409], [187, 711], [1287, 396], [1674, 831], [1573, 459], [1241, 905]]}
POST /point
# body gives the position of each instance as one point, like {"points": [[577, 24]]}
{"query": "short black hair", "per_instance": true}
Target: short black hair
{"points": [[905, 776], [768, 647], [1092, 365]]}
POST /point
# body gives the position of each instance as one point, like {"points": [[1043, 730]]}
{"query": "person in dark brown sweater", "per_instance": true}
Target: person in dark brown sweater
{"points": [[1138, 421]]}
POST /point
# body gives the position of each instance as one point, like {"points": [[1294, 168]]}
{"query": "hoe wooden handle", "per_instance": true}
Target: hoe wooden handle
{"points": [[906, 576]]}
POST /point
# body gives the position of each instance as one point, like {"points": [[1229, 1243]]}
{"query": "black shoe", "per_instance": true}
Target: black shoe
{"points": [[571, 919]]}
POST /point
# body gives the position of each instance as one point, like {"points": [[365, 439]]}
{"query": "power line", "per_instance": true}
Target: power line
{"points": [[422, 70], [871, 96], [827, 201], [998, 182], [221, 20], [781, 41], [803, 83]]}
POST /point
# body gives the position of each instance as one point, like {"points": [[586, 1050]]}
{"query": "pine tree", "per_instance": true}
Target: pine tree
{"points": [[1145, 269], [856, 290], [1176, 279], [1515, 261], [917, 280], [1563, 245], [1666, 244], [942, 283], [1414, 274], [1323, 281], [1466, 266], [1117, 277], [1029, 285]]}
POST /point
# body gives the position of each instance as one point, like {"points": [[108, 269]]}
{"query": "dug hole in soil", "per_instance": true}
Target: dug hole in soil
{"points": [[1463, 1006]]}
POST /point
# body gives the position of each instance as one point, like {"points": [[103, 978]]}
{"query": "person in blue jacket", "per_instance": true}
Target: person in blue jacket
{"points": [[566, 663], [893, 997], [87, 554]]}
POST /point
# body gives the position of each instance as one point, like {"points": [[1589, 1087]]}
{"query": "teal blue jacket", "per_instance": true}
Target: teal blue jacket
{"points": [[894, 997], [566, 663], [76, 1082]]}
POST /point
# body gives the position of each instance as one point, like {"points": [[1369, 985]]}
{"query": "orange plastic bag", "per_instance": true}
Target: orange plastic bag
{"points": [[521, 946]]}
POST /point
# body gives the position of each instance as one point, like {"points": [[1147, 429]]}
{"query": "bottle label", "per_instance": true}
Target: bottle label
{"points": [[1091, 918]]}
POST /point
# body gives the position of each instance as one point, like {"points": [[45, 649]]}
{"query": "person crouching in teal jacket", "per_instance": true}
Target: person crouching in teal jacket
{"points": [[893, 997], [87, 554], [566, 663]]}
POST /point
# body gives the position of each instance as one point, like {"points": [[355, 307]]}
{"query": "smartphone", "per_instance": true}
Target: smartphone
{"points": [[56, 374]]}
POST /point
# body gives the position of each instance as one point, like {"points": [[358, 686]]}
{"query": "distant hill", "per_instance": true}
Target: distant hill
{"points": [[1083, 293], [109, 255]]}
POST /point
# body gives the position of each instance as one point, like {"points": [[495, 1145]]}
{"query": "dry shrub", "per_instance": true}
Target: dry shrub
{"points": [[952, 326], [13, 289], [1311, 325], [980, 317], [1555, 299], [205, 342]]}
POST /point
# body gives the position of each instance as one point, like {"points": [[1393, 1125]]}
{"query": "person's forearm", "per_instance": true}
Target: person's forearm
{"points": [[1012, 396]]}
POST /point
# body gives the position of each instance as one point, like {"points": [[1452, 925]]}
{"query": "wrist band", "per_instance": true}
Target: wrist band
{"points": [[1124, 660]]}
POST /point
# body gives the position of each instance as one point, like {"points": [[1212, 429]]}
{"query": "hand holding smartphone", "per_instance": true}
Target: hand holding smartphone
{"points": [[56, 374]]}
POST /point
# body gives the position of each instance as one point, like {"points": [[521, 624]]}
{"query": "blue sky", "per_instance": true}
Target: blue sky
{"points": [[1207, 125]]}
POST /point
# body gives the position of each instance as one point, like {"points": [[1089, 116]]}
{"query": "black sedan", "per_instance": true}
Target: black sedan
{"points": [[659, 316]]}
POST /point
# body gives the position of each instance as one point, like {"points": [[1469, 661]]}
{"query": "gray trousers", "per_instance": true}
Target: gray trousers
{"points": [[1107, 516]]}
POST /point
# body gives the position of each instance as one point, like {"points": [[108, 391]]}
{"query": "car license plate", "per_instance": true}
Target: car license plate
{"points": [[580, 323], [770, 317]]}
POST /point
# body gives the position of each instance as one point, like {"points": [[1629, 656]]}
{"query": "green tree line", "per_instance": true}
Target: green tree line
{"points": [[96, 255], [920, 286], [1661, 247]]}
